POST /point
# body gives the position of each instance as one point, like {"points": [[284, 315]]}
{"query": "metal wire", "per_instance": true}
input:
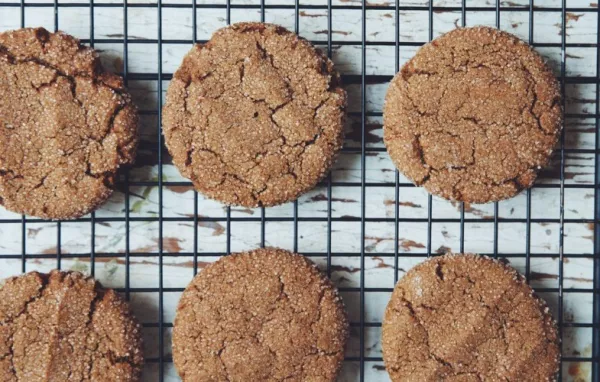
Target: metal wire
{"points": [[596, 285], [363, 172], [561, 237], [362, 80], [161, 365]]}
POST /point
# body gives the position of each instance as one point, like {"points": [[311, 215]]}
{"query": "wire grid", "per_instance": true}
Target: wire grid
{"points": [[363, 79]]}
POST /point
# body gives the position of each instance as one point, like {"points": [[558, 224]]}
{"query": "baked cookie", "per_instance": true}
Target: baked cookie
{"points": [[64, 326], [255, 116], [65, 125], [473, 116], [265, 315], [468, 318]]}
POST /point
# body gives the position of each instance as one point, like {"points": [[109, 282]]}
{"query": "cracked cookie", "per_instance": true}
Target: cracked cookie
{"points": [[468, 318], [255, 116], [473, 116], [65, 125], [265, 315], [64, 326]]}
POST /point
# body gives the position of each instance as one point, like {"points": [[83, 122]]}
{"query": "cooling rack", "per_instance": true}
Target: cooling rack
{"points": [[365, 225]]}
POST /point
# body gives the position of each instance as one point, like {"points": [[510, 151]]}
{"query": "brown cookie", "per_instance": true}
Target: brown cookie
{"points": [[65, 125], [255, 116], [473, 116], [64, 326], [265, 315], [468, 318]]}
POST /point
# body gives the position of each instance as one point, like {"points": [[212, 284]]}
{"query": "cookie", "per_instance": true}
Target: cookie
{"points": [[473, 116], [265, 315], [66, 125], [468, 318], [64, 326], [255, 116]]}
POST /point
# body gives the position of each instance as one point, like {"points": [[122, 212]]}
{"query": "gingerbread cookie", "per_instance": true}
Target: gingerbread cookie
{"points": [[64, 326], [255, 116], [473, 116], [66, 125], [265, 315], [468, 318]]}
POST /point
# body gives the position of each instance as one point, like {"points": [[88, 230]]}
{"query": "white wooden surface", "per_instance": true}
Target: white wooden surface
{"points": [[178, 237]]}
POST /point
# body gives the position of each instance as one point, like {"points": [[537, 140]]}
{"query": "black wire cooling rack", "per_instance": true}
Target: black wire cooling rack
{"points": [[496, 8]]}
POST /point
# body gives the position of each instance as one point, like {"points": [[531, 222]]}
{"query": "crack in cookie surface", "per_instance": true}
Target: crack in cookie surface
{"points": [[66, 126], [470, 316], [64, 326], [473, 116], [255, 116], [265, 315]]}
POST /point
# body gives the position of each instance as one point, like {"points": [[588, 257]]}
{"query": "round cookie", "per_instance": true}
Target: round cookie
{"points": [[265, 315], [473, 116], [65, 326], [468, 318], [65, 125], [255, 116]]}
